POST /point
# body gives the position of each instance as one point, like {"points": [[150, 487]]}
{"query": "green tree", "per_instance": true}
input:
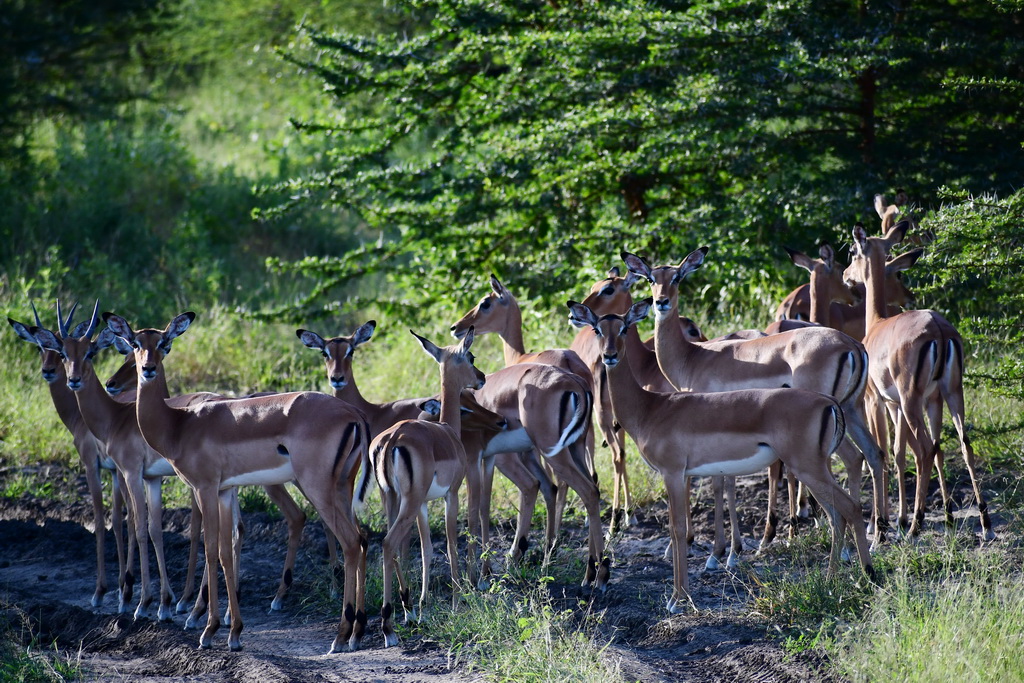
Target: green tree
{"points": [[537, 139]]}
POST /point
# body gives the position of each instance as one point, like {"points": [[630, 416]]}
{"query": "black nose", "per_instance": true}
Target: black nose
{"points": [[662, 304], [74, 383]]}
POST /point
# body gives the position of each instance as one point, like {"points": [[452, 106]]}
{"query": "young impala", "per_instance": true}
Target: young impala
{"points": [[419, 461]]}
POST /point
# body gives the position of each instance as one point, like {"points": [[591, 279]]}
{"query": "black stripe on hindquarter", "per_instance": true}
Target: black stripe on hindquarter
{"points": [[922, 358], [562, 405], [339, 457], [406, 459], [839, 372], [825, 415]]}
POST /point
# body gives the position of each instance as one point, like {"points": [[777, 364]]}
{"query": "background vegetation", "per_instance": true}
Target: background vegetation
{"points": [[274, 163]]}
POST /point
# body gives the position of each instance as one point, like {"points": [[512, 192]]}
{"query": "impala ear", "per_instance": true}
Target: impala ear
{"points": [[105, 338], [896, 234], [310, 339], [431, 407], [638, 266], [363, 333], [638, 311], [119, 326], [123, 347], [860, 235], [177, 327], [903, 261], [828, 255], [693, 261], [430, 347], [613, 271], [497, 287], [46, 339], [800, 259], [581, 316], [467, 340], [22, 331]]}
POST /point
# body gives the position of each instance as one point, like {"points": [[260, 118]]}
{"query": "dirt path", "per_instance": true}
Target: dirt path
{"points": [[47, 572]]}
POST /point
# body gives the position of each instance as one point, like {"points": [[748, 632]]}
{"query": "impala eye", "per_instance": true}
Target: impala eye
{"points": [[608, 291], [485, 304]]}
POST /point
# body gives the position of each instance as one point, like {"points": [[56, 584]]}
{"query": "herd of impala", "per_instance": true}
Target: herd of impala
{"points": [[842, 362]]}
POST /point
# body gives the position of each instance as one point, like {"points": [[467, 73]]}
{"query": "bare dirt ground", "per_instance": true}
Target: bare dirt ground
{"points": [[47, 566]]}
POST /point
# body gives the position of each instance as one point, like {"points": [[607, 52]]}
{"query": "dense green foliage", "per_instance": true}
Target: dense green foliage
{"points": [[538, 139]]}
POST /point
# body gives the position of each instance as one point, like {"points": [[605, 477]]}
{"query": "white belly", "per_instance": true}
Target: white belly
{"points": [[510, 441], [760, 459], [160, 468], [436, 490], [278, 475]]}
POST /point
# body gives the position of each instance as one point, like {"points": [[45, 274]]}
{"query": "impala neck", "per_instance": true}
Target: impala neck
{"points": [[512, 334], [99, 409], [874, 296], [159, 423], [64, 400], [820, 299], [630, 401], [671, 346], [451, 409], [350, 394]]}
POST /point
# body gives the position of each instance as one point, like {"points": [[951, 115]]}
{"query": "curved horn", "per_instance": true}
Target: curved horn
{"points": [[64, 324], [92, 323], [39, 323]]}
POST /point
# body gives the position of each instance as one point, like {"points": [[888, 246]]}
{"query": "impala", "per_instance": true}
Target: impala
{"points": [[549, 410], [92, 453], [314, 439], [122, 384], [419, 461], [499, 312], [916, 363], [338, 353], [114, 423], [612, 295], [838, 306], [812, 358], [723, 434]]}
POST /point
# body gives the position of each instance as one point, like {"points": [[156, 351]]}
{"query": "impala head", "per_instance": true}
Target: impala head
{"points": [[610, 329], [337, 352], [825, 272], [149, 345], [126, 377], [456, 361], [612, 294], [51, 364], [76, 347], [489, 315], [665, 279], [868, 254], [474, 416]]}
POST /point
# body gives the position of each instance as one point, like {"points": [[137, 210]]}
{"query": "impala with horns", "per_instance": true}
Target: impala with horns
{"points": [[725, 433], [917, 362], [92, 452], [813, 358], [419, 461], [315, 440]]}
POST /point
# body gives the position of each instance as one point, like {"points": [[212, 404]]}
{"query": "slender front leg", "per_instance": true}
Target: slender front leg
{"points": [[137, 498], [675, 491], [90, 463], [195, 522], [209, 505], [295, 518], [227, 562], [154, 502]]}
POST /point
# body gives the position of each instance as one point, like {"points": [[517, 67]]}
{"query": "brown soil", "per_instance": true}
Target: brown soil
{"points": [[47, 571]]}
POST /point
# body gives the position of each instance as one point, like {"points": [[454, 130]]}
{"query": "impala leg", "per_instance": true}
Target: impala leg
{"points": [[736, 547], [124, 555], [598, 566], [514, 469], [857, 430], [397, 531], [194, 530], [842, 511], [924, 458], [473, 485], [451, 528], [295, 518], [549, 489], [933, 408], [209, 505], [879, 427], [90, 455], [954, 397], [137, 498], [154, 501], [793, 493], [718, 550], [227, 562], [771, 524], [486, 488], [678, 501]]}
